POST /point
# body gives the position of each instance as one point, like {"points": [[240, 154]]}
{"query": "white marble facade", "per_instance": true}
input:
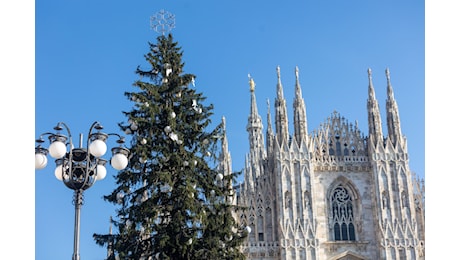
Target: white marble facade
{"points": [[332, 193]]}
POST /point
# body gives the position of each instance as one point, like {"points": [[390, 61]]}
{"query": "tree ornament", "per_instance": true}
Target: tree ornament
{"points": [[248, 229], [219, 177], [120, 196], [185, 163], [173, 136], [167, 129], [165, 188], [143, 141], [168, 72], [173, 114]]}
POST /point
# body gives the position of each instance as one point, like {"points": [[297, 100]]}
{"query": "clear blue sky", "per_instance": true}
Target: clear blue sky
{"points": [[86, 53]]}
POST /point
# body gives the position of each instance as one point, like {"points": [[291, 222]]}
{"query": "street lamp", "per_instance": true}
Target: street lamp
{"points": [[80, 167]]}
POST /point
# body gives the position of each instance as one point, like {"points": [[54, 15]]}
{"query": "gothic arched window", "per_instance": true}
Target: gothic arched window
{"points": [[345, 151], [342, 214], [338, 147]]}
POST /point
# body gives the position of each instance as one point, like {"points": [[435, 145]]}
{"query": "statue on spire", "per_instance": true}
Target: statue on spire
{"points": [[252, 84]]}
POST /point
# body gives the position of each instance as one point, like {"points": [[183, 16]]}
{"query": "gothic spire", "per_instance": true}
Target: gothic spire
{"points": [[281, 121], [394, 127], [269, 134], [248, 173], [279, 86], [269, 119], [252, 86], [225, 158], [254, 127], [300, 117], [225, 161], [375, 122]]}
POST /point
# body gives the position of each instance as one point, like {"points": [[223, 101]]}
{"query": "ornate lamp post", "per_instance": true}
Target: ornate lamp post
{"points": [[79, 168]]}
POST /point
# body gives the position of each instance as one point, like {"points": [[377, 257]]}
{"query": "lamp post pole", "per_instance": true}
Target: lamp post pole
{"points": [[79, 168], [78, 201]]}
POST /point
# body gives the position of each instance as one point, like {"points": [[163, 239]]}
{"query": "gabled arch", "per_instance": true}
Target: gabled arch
{"points": [[348, 255]]}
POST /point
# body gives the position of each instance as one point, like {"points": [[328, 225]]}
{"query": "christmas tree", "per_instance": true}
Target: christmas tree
{"points": [[175, 199]]}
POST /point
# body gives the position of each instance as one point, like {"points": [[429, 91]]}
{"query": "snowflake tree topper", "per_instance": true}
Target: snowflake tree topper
{"points": [[162, 22]]}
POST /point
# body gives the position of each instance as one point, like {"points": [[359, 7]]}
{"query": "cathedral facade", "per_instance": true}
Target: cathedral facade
{"points": [[332, 193]]}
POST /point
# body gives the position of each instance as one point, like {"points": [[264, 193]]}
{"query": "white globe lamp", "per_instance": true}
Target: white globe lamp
{"points": [[57, 149], [40, 161], [101, 172], [119, 161], [58, 172], [97, 148]]}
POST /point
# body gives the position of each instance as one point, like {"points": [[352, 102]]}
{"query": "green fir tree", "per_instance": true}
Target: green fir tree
{"points": [[173, 201]]}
